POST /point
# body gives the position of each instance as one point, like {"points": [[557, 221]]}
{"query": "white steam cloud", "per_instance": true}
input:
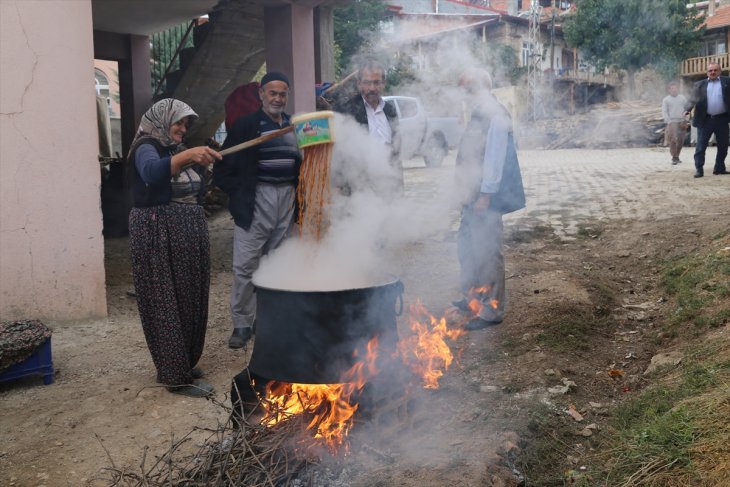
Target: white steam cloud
{"points": [[370, 226], [367, 227]]}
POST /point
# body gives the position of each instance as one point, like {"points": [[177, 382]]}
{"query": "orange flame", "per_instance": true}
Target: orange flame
{"points": [[329, 405], [425, 352], [475, 297]]}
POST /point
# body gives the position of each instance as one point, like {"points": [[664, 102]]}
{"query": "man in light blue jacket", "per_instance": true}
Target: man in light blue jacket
{"points": [[489, 173]]}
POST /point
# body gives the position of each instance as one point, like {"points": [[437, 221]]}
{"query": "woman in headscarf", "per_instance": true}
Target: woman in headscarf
{"points": [[168, 237]]}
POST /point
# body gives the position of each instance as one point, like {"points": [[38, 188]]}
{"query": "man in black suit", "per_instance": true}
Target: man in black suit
{"points": [[370, 110], [710, 99]]}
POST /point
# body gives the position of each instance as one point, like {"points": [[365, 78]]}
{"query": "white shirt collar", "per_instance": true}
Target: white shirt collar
{"points": [[378, 108]]}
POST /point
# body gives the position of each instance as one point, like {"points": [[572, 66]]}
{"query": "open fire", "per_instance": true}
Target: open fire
{"points": [[425, 352], [332, 407], [329, 405], [475, 297]]}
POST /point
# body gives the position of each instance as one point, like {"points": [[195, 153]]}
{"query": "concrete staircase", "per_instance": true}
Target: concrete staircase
{"points": [[228, 52]]}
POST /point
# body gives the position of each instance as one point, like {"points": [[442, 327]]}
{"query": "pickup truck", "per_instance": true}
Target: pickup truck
{"points": [[430, 137]]}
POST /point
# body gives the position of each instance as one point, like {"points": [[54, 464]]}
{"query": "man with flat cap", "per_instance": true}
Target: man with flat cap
{"points": [[261, 184]]}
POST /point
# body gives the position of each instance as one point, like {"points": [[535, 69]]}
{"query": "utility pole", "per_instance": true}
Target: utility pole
{"points": [[552, 42], [533, 59]]}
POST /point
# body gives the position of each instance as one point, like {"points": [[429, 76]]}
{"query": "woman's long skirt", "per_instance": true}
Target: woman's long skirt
{"points": [[171, 265]]}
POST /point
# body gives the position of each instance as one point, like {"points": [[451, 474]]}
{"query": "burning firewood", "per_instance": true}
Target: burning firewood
{"points": [[285, 437]]}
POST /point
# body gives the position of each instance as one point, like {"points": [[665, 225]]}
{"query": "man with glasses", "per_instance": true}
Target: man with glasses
{"points": [[371, 111], [710, 99]]}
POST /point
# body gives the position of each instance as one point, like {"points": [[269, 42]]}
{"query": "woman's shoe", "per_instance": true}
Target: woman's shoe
{"points": [[198, 388], [195, 373]]}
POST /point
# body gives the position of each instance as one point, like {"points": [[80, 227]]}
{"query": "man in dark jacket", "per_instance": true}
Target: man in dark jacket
{"points": [[710, 99], [371, 111], [261, 184], [488, 173]]}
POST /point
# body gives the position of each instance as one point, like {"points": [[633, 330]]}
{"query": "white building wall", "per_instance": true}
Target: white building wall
{"points": [[51, 245]]}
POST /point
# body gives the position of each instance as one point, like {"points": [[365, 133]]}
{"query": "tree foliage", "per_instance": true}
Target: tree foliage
{"points": [[163, 46], [356, 29], [501, 60], [631, 34]]}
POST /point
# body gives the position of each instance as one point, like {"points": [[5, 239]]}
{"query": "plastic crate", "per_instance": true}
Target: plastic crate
{"points": [[40, 363]]}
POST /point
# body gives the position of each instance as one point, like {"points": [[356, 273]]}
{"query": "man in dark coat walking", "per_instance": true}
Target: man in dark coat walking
{"points": [[710, 99]]}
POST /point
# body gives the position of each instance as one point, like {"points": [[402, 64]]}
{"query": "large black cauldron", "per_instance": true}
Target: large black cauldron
{"points": [[310, 337]]}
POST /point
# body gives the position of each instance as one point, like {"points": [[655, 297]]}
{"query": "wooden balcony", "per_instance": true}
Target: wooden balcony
{"points": [[697, 66], [586, 76]]}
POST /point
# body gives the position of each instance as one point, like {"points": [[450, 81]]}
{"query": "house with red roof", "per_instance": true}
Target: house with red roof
{"points": [[715, 40], [565, 77], [496, 22]]}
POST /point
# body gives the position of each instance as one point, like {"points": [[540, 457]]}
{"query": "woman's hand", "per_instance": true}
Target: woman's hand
{"points": [[202, 155]]}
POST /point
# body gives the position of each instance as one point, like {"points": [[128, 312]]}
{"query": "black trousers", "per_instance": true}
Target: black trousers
{"points": [[712, 125]]}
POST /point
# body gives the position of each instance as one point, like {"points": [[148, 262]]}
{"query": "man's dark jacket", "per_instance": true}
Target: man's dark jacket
{"points": [[355, 106], [698, 99], [237, 173]]}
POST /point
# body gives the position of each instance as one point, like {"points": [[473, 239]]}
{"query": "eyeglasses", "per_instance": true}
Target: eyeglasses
{"points": [[372, 82]]}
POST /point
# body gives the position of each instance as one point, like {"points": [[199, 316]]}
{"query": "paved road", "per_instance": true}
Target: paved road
{"points": [[565, 187]]}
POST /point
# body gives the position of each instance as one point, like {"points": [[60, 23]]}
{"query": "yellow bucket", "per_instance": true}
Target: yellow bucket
{"points": [[313, 128]]}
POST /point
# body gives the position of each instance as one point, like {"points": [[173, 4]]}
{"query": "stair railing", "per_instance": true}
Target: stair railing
{"points": [[163, 44]]}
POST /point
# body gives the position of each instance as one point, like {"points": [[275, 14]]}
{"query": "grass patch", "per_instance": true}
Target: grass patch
{"points": [[663, 435], [544, 460], [570, 327], [653, 447], [671, 435], [567, 330], [701, 286]]}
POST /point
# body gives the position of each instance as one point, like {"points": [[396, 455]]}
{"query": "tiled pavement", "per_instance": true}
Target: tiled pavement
{"points": [[565, 187]]}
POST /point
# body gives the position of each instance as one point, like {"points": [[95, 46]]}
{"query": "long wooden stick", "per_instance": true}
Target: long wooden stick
{"points": [[249, 143], [257, 140], [339, 83]]}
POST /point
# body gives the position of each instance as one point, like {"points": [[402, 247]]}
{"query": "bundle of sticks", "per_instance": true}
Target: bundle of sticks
{"points": [[243, 454]]}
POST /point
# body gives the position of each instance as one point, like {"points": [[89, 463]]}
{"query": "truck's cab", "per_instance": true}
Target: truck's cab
{"points": [[430, 137]]}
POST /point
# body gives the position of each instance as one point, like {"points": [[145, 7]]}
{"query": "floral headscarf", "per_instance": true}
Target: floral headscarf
{"points": [[156, 121]]}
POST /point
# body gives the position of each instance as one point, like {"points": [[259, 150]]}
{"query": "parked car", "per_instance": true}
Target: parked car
{"points": [[430, 137]]}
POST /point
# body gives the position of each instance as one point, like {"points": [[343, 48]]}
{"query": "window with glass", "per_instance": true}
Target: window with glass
{"points": [[101, 82]]}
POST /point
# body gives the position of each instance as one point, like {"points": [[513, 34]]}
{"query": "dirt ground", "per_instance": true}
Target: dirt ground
{"points": [[105, 407]]}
